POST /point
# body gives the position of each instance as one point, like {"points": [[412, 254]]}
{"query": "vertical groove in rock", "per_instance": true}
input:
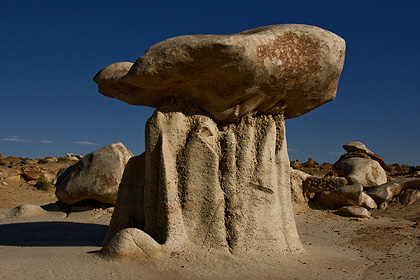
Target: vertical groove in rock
{"points": [[283, 179], [228, 185], [211, 187]]}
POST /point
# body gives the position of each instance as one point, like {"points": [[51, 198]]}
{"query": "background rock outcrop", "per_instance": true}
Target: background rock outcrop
{"points": [[361, 166]]}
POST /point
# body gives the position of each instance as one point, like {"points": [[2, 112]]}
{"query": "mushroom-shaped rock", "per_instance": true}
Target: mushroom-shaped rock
{"points": [[289, 69], [215, 174], [356, 146]]}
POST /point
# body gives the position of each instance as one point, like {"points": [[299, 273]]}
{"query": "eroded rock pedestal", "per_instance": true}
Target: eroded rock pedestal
{"points": [[210, 186], [215, 173]]}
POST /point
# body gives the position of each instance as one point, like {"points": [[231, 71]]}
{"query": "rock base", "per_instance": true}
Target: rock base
{"points": [[206, 186]]}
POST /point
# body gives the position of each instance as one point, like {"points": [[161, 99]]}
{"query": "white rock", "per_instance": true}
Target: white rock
{"points": [[361, 171]]}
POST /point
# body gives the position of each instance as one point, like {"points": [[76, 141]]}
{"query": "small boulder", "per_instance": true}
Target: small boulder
{"points": [[96, 176], [73, 157], [33, 172], [409, 196], [363, 171], [313, 185], [386, 192], [353, 211], [51, 159], [344, 196], [368, 202], [2, 181]]}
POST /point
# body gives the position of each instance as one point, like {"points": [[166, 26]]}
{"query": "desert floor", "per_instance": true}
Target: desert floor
{"points": [[48, 243]]}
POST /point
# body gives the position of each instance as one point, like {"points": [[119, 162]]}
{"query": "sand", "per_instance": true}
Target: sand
{"points": [[40, 241]]}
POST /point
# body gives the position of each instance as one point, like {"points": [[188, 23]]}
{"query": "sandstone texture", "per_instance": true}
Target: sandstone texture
{"points": [[215, 175], [313, 184], [281, 69], [200, 186], [96, 176]]}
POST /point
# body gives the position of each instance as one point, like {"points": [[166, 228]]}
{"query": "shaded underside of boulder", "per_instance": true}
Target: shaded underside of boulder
{"points": [[96, 176], [285, 69]]}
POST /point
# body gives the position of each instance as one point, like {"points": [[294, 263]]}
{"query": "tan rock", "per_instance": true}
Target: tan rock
{"points": [[349, 195], [205, 187], [2, 180], [96, 176], [360, 147], [72, 157], [368, 202], [285, 69], [386, 192], [51, 159], [354, 211], [33, 172]]}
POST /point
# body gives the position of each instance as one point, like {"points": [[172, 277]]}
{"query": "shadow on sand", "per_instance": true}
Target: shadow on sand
{"points": [[52, 234]]}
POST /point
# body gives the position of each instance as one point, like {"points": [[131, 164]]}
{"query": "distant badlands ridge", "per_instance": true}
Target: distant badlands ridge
{"points": [[12, 160], [310, 166]]}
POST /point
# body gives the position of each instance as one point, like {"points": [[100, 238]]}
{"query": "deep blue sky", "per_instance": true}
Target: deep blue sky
{"points": [[50, 51]]}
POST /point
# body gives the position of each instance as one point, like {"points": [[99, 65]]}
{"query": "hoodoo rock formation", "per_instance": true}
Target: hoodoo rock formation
{"points": [[215, 173]]}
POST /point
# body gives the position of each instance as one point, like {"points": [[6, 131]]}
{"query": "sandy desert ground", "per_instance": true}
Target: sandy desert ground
{"points": [[39, 240]]}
